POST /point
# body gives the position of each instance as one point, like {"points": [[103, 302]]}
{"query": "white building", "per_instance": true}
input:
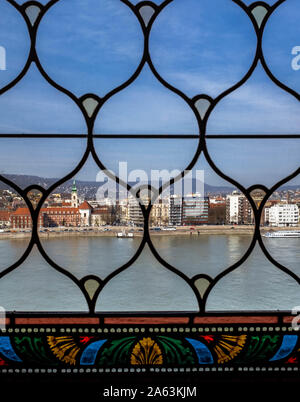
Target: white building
{"points": [[135, 213], [283, 215], [233, 207], [233, 202], [238, 209], [124, 211], [85, 212]]}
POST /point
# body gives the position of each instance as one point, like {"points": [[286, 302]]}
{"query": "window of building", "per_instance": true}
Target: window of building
{"points": [[172, 89]]}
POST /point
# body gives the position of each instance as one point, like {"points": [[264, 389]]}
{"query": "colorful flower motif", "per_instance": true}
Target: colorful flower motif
{"points": [[146, 351], [229, 347], [168, 351], [64, 347], [225, 347]]}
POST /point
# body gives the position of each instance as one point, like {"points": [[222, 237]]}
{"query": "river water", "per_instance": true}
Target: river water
{"points": [[147, 285]]}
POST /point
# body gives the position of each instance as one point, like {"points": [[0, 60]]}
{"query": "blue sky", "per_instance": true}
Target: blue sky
{"points": [[280, 36], [199, 47], [192, 45], [95, 49], [14, 38]]}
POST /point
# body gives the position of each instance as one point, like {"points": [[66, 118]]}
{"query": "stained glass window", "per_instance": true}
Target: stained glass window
{"points": [[149, 165]]}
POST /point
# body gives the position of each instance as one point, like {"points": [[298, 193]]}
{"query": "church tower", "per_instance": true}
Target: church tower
{"points": [[74, 196]]}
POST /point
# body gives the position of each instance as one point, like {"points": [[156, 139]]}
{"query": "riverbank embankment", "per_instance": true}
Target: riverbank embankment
{"points": [[112, 231]]}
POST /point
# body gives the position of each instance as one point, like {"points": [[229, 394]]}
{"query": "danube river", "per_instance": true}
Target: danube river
{"points": [[147, 285]]}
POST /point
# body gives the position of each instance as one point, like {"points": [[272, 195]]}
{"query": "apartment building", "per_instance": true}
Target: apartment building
{"points": [[238, 209], [282, 215]]}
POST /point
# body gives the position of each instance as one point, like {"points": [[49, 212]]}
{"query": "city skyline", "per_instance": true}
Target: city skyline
{"points": [[70, 210]]}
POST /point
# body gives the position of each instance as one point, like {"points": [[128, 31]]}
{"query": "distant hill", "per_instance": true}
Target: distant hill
{"points": [[88, 189], [84, 187], [24, 181]]}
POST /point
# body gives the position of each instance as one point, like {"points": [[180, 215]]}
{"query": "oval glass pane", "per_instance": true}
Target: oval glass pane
{"points": [[89, 225], [255, 161], [280, 226], [257, 107], [146, 286], [15, 226], [202, 47], [257, 285], [281, 45], [143, 161], [33, 106], [14, 43], [83, 51], [146, 107], [54, 157], [204, 220], [36, 286]]}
